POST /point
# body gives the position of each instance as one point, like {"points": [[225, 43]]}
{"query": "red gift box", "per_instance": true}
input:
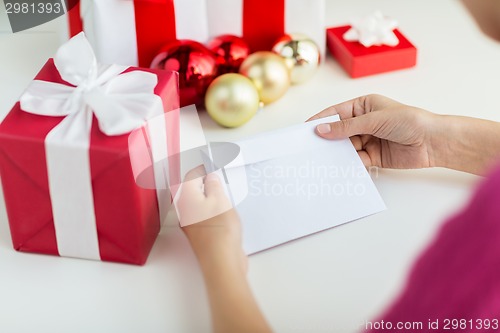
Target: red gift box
{"points": [[127, 216], [359, 60]]}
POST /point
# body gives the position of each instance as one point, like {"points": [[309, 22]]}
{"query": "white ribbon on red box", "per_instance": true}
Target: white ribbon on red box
{"points": [[121, 102]]}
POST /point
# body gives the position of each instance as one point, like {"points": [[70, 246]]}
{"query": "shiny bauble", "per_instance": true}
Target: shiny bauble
{"points": [[301, 55], [232, 100], [196, 65], [269, 73], [231, 51]]}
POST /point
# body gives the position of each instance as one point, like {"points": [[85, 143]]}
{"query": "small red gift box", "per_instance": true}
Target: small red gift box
{"points": [[359, 60], [127, 217]]}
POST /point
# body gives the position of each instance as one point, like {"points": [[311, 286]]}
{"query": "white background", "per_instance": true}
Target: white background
{"points": [[328, 282]]}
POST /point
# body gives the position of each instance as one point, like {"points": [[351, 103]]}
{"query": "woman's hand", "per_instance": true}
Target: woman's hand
{"points": [[385, 133], [214, 231], [389, 134], [210, 223]]}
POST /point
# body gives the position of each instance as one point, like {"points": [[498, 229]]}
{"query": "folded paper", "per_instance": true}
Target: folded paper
{"points": [[290, 183]]}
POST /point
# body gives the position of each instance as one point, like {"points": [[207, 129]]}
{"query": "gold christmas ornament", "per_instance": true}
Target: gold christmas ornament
{"points": [[269, 73], [232, 100], [301, 55]]}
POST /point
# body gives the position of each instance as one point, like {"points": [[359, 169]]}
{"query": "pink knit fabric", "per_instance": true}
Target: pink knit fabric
{"points": [[458, 276]]}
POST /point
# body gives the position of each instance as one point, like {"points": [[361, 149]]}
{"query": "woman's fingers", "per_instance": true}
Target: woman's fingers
{"points": [[196, 173], [213, 186], [354, 108], [344, 110], [345, 128], [357, 142], [365, 158]]}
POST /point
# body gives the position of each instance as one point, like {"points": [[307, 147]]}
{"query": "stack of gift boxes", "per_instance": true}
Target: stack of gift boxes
{"points": [[73, 147], [132, 32]]}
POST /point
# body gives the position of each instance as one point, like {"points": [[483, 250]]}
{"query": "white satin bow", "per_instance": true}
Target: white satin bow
{"points": [[120, 102], [374, 29]]}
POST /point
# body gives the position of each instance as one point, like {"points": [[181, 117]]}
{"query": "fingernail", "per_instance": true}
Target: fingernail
{"points": [[324, 128]]}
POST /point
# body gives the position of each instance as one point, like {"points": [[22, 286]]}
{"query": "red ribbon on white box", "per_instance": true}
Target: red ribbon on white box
{"points": [[121, 102], [261, 22], [129, 32]]}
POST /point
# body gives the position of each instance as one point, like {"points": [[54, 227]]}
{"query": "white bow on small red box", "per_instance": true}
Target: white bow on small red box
{"points": [[374, 29]]}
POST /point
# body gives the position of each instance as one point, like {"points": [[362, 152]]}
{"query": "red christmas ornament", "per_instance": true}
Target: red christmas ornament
{"points": [[232, 50], [197, 67]]}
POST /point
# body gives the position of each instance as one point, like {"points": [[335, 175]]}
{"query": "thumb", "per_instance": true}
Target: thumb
{"points": [[345, 128], [213, 186]]}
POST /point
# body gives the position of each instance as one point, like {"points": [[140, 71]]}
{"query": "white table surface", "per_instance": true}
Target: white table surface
{"points": [[327, 282]]}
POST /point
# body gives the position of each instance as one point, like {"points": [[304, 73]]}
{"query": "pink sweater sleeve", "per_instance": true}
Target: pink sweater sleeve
{"points": [[456, 281]]}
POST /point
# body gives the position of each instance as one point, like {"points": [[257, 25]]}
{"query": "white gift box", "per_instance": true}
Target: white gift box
{"points": [[131, 32], [262, 22]]}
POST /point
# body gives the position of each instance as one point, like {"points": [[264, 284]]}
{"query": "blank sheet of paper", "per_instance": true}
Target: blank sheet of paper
{"points": [[291, 183]]}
